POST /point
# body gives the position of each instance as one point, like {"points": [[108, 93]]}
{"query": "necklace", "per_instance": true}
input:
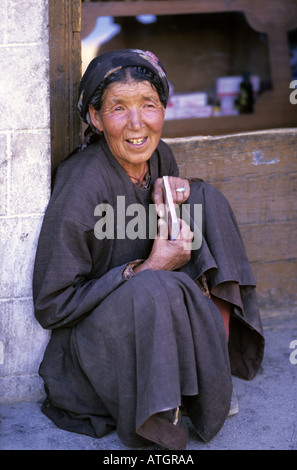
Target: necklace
{"points": [[142, 176]]}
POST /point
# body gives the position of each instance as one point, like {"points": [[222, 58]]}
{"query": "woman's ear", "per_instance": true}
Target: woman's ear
{"points": [[95, 118]]}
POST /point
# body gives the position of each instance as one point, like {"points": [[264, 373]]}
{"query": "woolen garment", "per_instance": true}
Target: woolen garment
{"points": [[122, 350]]}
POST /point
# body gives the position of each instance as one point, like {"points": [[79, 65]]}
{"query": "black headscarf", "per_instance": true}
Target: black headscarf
{"points": [[105, 64]]}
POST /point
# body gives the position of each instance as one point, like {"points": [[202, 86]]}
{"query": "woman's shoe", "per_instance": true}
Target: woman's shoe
{"points": [[234, 407], [167, 429]]}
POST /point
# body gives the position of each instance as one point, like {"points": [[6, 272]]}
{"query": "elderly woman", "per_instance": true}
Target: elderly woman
{"points": [[142, 326]]}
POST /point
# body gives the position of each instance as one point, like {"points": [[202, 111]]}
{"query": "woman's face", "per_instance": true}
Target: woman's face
{"points": [[131, 118]]}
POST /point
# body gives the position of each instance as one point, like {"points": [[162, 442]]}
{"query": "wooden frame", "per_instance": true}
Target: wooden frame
{"points": [[65, 74], [256, 171], [249, 163], [275, 18]]}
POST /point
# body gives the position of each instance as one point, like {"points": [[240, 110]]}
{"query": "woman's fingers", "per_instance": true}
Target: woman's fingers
{"points": [[180, 189], [185, 232], [186, 235], [158, 197]]}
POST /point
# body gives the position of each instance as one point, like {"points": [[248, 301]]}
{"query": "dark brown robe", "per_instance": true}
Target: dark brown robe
{"points": [[122, 350]]}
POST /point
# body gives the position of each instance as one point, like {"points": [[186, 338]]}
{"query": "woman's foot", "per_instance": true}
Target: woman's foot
{"points": [[234, 407], [167, 429]]}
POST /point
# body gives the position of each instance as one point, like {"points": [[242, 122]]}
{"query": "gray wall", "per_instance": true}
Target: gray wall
{"points": [[25, 189]]}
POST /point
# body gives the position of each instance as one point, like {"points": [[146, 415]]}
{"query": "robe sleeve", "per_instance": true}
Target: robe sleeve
{"points": [[167, 162], [65, 289], [62, 289]]}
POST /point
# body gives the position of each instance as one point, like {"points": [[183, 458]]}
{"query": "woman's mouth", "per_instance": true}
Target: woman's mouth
{"points": [[138, 141]]}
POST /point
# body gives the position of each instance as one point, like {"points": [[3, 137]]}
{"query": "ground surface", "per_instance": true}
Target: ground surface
{"points": [[267, 417]]}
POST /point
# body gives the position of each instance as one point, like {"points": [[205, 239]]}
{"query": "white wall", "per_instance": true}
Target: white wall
{"points": [[24, 189]]}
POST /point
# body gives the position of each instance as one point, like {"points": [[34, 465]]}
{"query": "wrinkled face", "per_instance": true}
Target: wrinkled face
{"points": [[131, 118]]}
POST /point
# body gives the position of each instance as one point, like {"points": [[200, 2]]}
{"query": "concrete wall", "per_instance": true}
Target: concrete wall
{"points": [[25, 188]]}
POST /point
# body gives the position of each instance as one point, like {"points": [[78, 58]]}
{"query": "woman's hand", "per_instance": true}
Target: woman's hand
{"points": [[178, 196], [169, 254]]}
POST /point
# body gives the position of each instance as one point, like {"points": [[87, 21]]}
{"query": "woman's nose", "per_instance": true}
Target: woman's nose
{"points": [[135, 119]]}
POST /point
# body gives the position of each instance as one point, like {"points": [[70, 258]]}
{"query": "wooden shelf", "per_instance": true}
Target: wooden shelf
{"points": [[274, 18]]}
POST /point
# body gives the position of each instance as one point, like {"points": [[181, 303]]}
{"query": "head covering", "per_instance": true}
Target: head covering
{"points": [[109, 62]]}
